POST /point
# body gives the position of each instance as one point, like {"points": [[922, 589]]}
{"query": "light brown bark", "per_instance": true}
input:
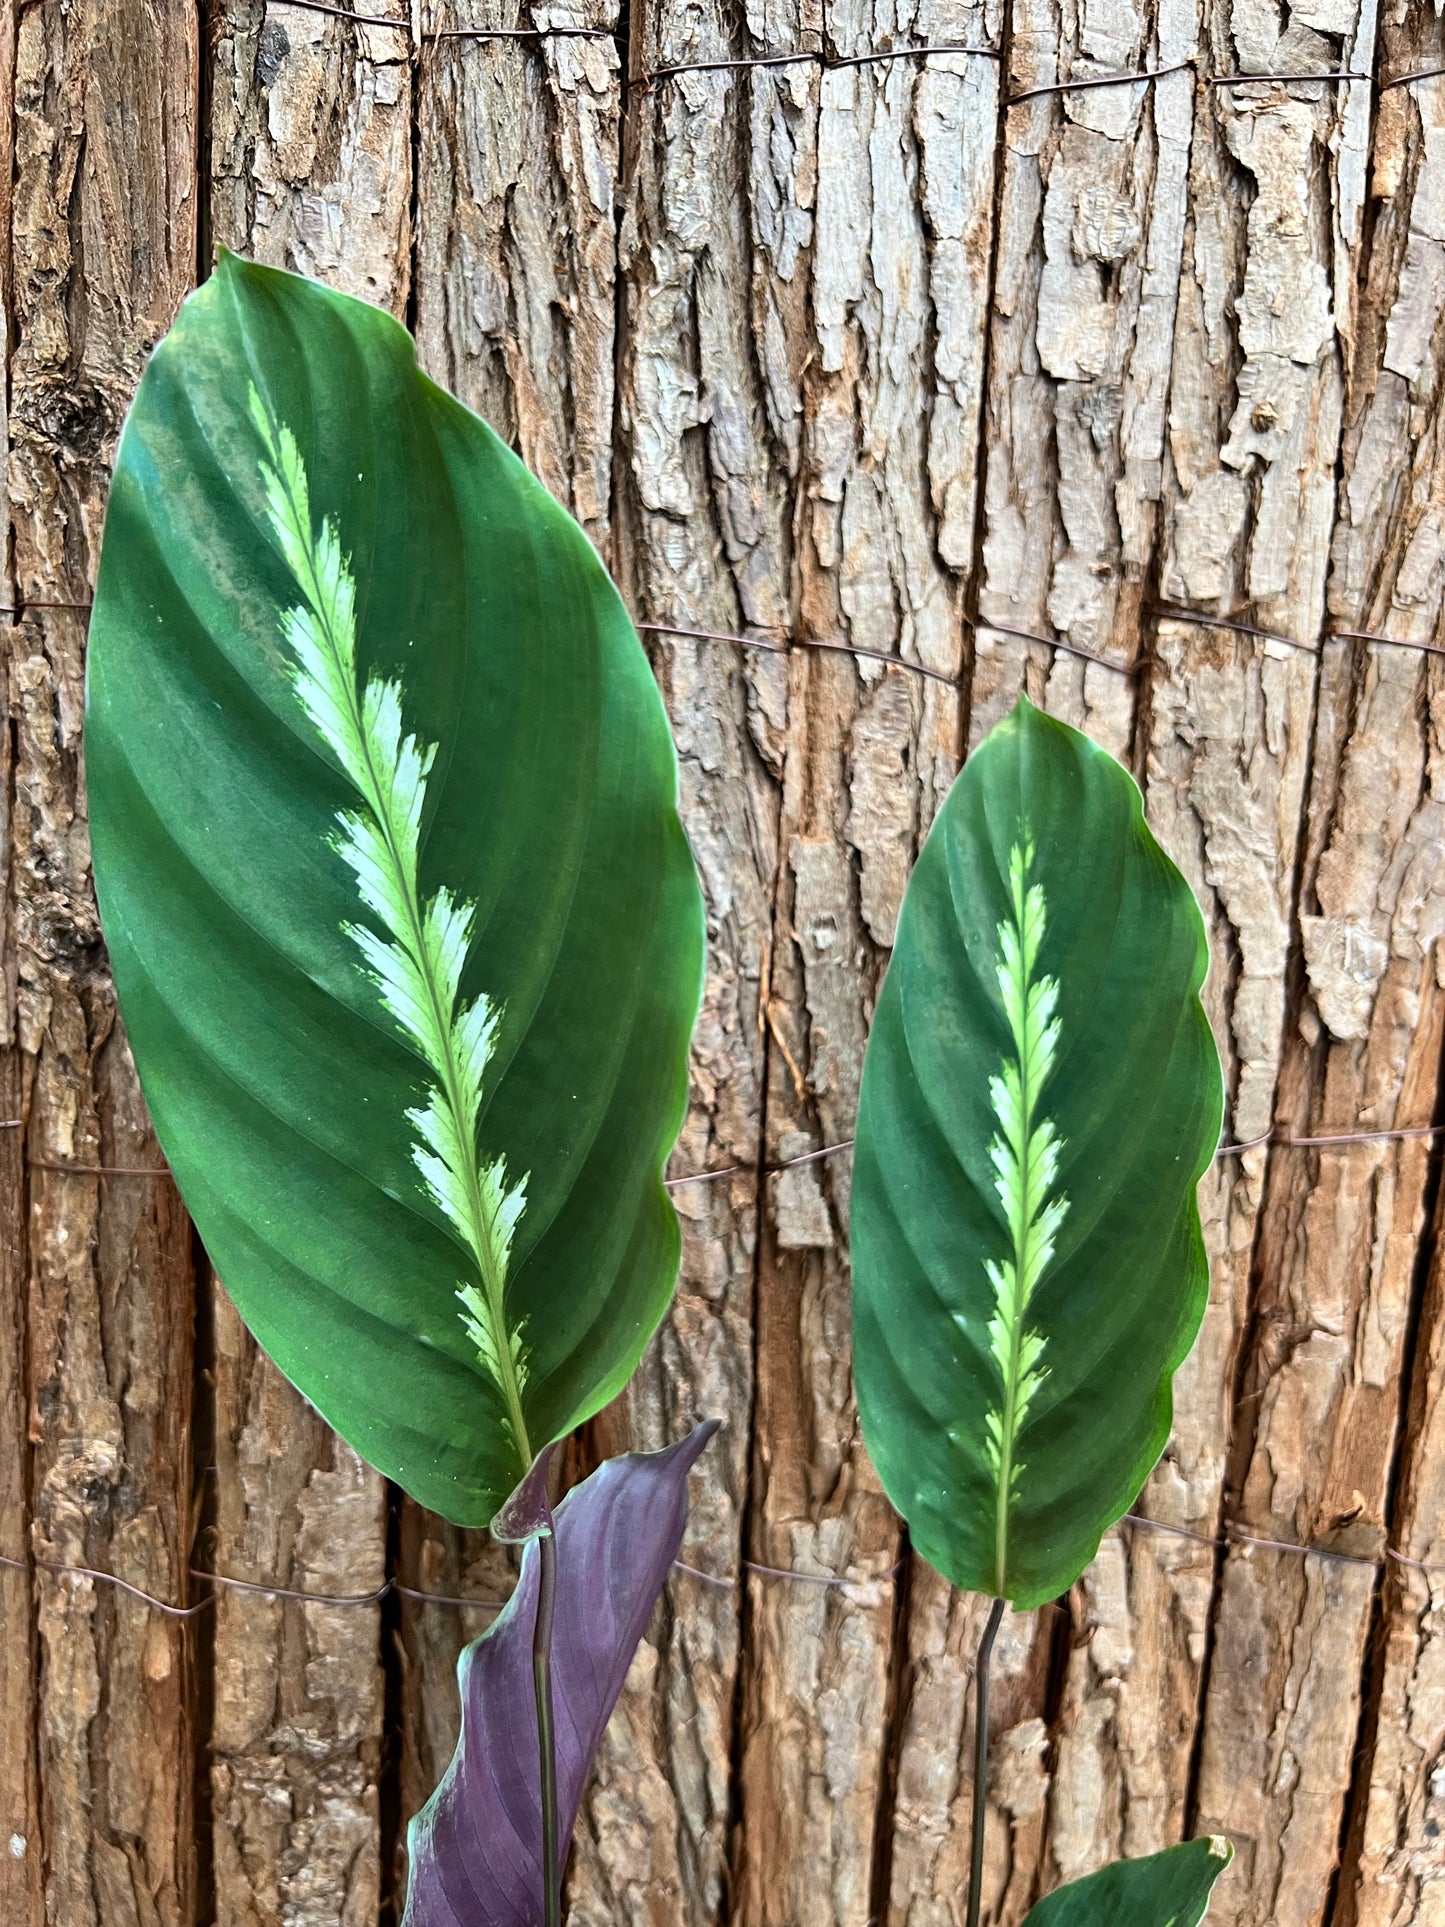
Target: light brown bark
{"points": [[102, 249]]}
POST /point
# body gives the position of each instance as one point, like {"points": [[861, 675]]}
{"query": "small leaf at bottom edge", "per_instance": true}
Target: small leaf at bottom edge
{"points": [[476, 1845], [1164, 1890]]}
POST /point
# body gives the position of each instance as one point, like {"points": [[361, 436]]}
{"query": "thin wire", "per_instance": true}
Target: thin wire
{"points": [[1406, 80], [1057, 642], [225, 1582], [1235, 1535], [1098, 80], [345, 13], [1224, 1151], [1170, 612], [811, 1157], [809, 56], [831, 62], [526, 33], [1257, 79], [1395, 642], [1164, 611]]}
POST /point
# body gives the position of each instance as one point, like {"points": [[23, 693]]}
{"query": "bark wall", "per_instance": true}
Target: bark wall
{"points": [[1129, 395]]}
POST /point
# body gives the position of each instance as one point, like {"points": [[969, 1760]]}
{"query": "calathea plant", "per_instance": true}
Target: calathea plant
{"points": [[408, 943], [1041, 1094]]}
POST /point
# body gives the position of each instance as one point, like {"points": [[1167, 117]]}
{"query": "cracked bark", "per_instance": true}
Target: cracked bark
{"points": [[774, 427], [21, 1867], [102, 247], [1371, 919], [885, 514], [1091, 232], [716, 208], [311, 170], [1340, 1230]]}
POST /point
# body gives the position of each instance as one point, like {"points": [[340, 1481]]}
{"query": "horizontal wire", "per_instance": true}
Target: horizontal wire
{"points": [[1235, 1535], [772, 645], [345, 13], [1232, 1537], [714, 1176], [832, 62], [526, 33], [298, 1595]]}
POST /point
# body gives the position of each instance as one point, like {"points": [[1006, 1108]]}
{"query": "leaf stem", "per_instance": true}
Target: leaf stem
{"points": [[981, 1666], [546, 1732]]}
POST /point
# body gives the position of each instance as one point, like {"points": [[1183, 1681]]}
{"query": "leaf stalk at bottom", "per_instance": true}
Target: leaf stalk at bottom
{"points": [[981, 1668], [546, 1730]]}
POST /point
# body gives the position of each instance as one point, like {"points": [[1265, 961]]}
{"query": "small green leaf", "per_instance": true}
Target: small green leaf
{"points": [[406, 933], [1040, 1095], [1165, 1890]]}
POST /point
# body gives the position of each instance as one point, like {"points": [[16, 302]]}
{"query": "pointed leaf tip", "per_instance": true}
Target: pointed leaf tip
{"points": [[1169, 1889], [476, 1846]]}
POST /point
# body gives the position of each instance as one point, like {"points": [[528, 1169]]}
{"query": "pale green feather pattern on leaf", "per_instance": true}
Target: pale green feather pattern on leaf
{"points": [[1025, 1156], [417, 965]]}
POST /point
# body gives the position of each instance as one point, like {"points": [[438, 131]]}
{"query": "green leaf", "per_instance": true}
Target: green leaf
{"points": [[1040, 1095], [406, 933], [1165, 1890]]}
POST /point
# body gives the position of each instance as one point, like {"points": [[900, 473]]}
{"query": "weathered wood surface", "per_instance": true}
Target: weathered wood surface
{"points": [[861, 354]]}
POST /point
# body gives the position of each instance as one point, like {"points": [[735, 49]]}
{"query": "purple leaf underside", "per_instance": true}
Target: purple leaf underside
{"points": [[476, 1846]]}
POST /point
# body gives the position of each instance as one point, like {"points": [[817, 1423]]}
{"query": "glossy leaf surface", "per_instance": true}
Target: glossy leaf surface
{"points": [[1040, 1095], [406, 934], [1164, 1890], [476, 1847]]}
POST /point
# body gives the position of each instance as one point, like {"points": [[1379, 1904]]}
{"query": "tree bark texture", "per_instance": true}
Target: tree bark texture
{"points": [[1127, 395]]}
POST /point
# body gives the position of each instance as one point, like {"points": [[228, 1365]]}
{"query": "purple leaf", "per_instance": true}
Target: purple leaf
{"points": [[527, 1513], [476, 1846]]}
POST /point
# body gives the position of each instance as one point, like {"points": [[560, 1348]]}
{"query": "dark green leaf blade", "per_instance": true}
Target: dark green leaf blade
{"points": [[1168, 1889], [1028, 1269], [278, 1081]]}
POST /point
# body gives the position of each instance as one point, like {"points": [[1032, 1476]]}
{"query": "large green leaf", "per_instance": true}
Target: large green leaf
{"points": [[1040, 1096], [1165, 1890], [264, 860]]}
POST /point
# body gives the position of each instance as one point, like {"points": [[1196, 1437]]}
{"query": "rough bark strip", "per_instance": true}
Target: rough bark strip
{"points": [[900, 263], [1340, 1229], [717, 211], [21, 1844], [103, 248], [517, 238], [935, 1781], [311, 162], [1226, 756], [1395, 1871], [1372, 935], [311, 144], [297, 1725], [1090, 243]]}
